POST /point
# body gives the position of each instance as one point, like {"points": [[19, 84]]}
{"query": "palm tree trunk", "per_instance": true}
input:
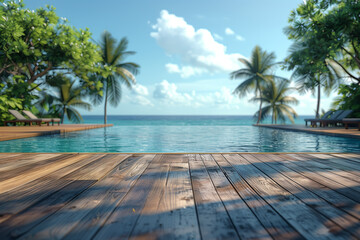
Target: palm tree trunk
{"points": [[259, 108], [63, 115], [318, 102], [105, 104]]}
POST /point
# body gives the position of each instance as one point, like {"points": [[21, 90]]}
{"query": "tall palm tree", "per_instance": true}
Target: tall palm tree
{"points": [[66, 98], [113, 56], [256, 73], [277, 102], [328, 77]]}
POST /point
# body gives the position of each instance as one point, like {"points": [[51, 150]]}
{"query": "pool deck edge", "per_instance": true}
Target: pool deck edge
{"points": [[18, 132], [329, 131]]}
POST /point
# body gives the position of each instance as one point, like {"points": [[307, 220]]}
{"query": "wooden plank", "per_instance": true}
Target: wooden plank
{"points": [[99, 168], [304, 219], [174, 217], [24, 196], [38, 172], [331, 180], [17, 225], [24, 162], [214, 220], [29, 218], [90, 209], [273, 222], [341, 168], [349, 156], [4, 157], [345, 221], [246, 223], [128, 211], [336, 199]]}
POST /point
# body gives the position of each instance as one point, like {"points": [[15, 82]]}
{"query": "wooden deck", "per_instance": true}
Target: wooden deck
{"points": [[331, 131], [16, 132], [179, 196]]}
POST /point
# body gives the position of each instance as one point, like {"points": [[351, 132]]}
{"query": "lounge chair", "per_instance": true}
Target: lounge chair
{"points": [[21, 118], [346, 122], [336, 120], [327, 115], [45, 120]]}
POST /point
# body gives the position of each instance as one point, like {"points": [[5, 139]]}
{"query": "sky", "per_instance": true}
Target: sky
{"points": [[187, 49]]}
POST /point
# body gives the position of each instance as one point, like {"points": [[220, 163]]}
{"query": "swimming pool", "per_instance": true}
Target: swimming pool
{"points": [[186, 135]]}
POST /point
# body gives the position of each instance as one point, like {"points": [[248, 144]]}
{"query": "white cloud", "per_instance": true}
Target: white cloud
{"points": [[229, 31], [197, 49], [240, 38], [168, 93], [139, 89], [172, 68], [139, 95], [218, 37], [185, 71], [140, 100]]}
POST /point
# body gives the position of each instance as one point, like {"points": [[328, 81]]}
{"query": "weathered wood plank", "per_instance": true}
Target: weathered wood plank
{"points": [[23, 163], [54, 202], [214, 220], [304, 219], [38, 172], [275, 172], [336, 199], [331, 180], [100, 167], [19, 224], [244, 220], [174, 217], [329, 164], [129, 210], [83, 216], [23, 196], [349, 156], [273, 222]]}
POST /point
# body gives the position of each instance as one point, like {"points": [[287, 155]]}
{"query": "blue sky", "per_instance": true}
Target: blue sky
{"points": [[186, 49]]}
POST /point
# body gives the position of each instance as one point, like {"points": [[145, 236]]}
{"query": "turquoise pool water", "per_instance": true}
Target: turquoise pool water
{"points": [[182, 134]]}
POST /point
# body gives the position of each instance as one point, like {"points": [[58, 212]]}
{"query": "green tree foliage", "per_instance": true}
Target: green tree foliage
{"points": [[65, 99], [117, 71], [306, 79], [256, 73], [328, 32], [34, 43], [276, 100], [349, 98], [7, 103]]}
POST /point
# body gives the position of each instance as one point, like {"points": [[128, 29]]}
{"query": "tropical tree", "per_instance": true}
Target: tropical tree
{"points": [[118, 71], [330, 30], [276, 100], [36, 43], [327, 76], [256, 73], [66, 98]]}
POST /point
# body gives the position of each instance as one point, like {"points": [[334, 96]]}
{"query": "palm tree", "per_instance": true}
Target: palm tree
{"points": [[256, 73], [277, 102], [327, 77], [65, 99], [113, 56]]}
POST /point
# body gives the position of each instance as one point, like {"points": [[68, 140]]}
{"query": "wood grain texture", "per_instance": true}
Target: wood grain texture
{"points": [[244, 220], [214, 220], [303, 218], [179, 196]]}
